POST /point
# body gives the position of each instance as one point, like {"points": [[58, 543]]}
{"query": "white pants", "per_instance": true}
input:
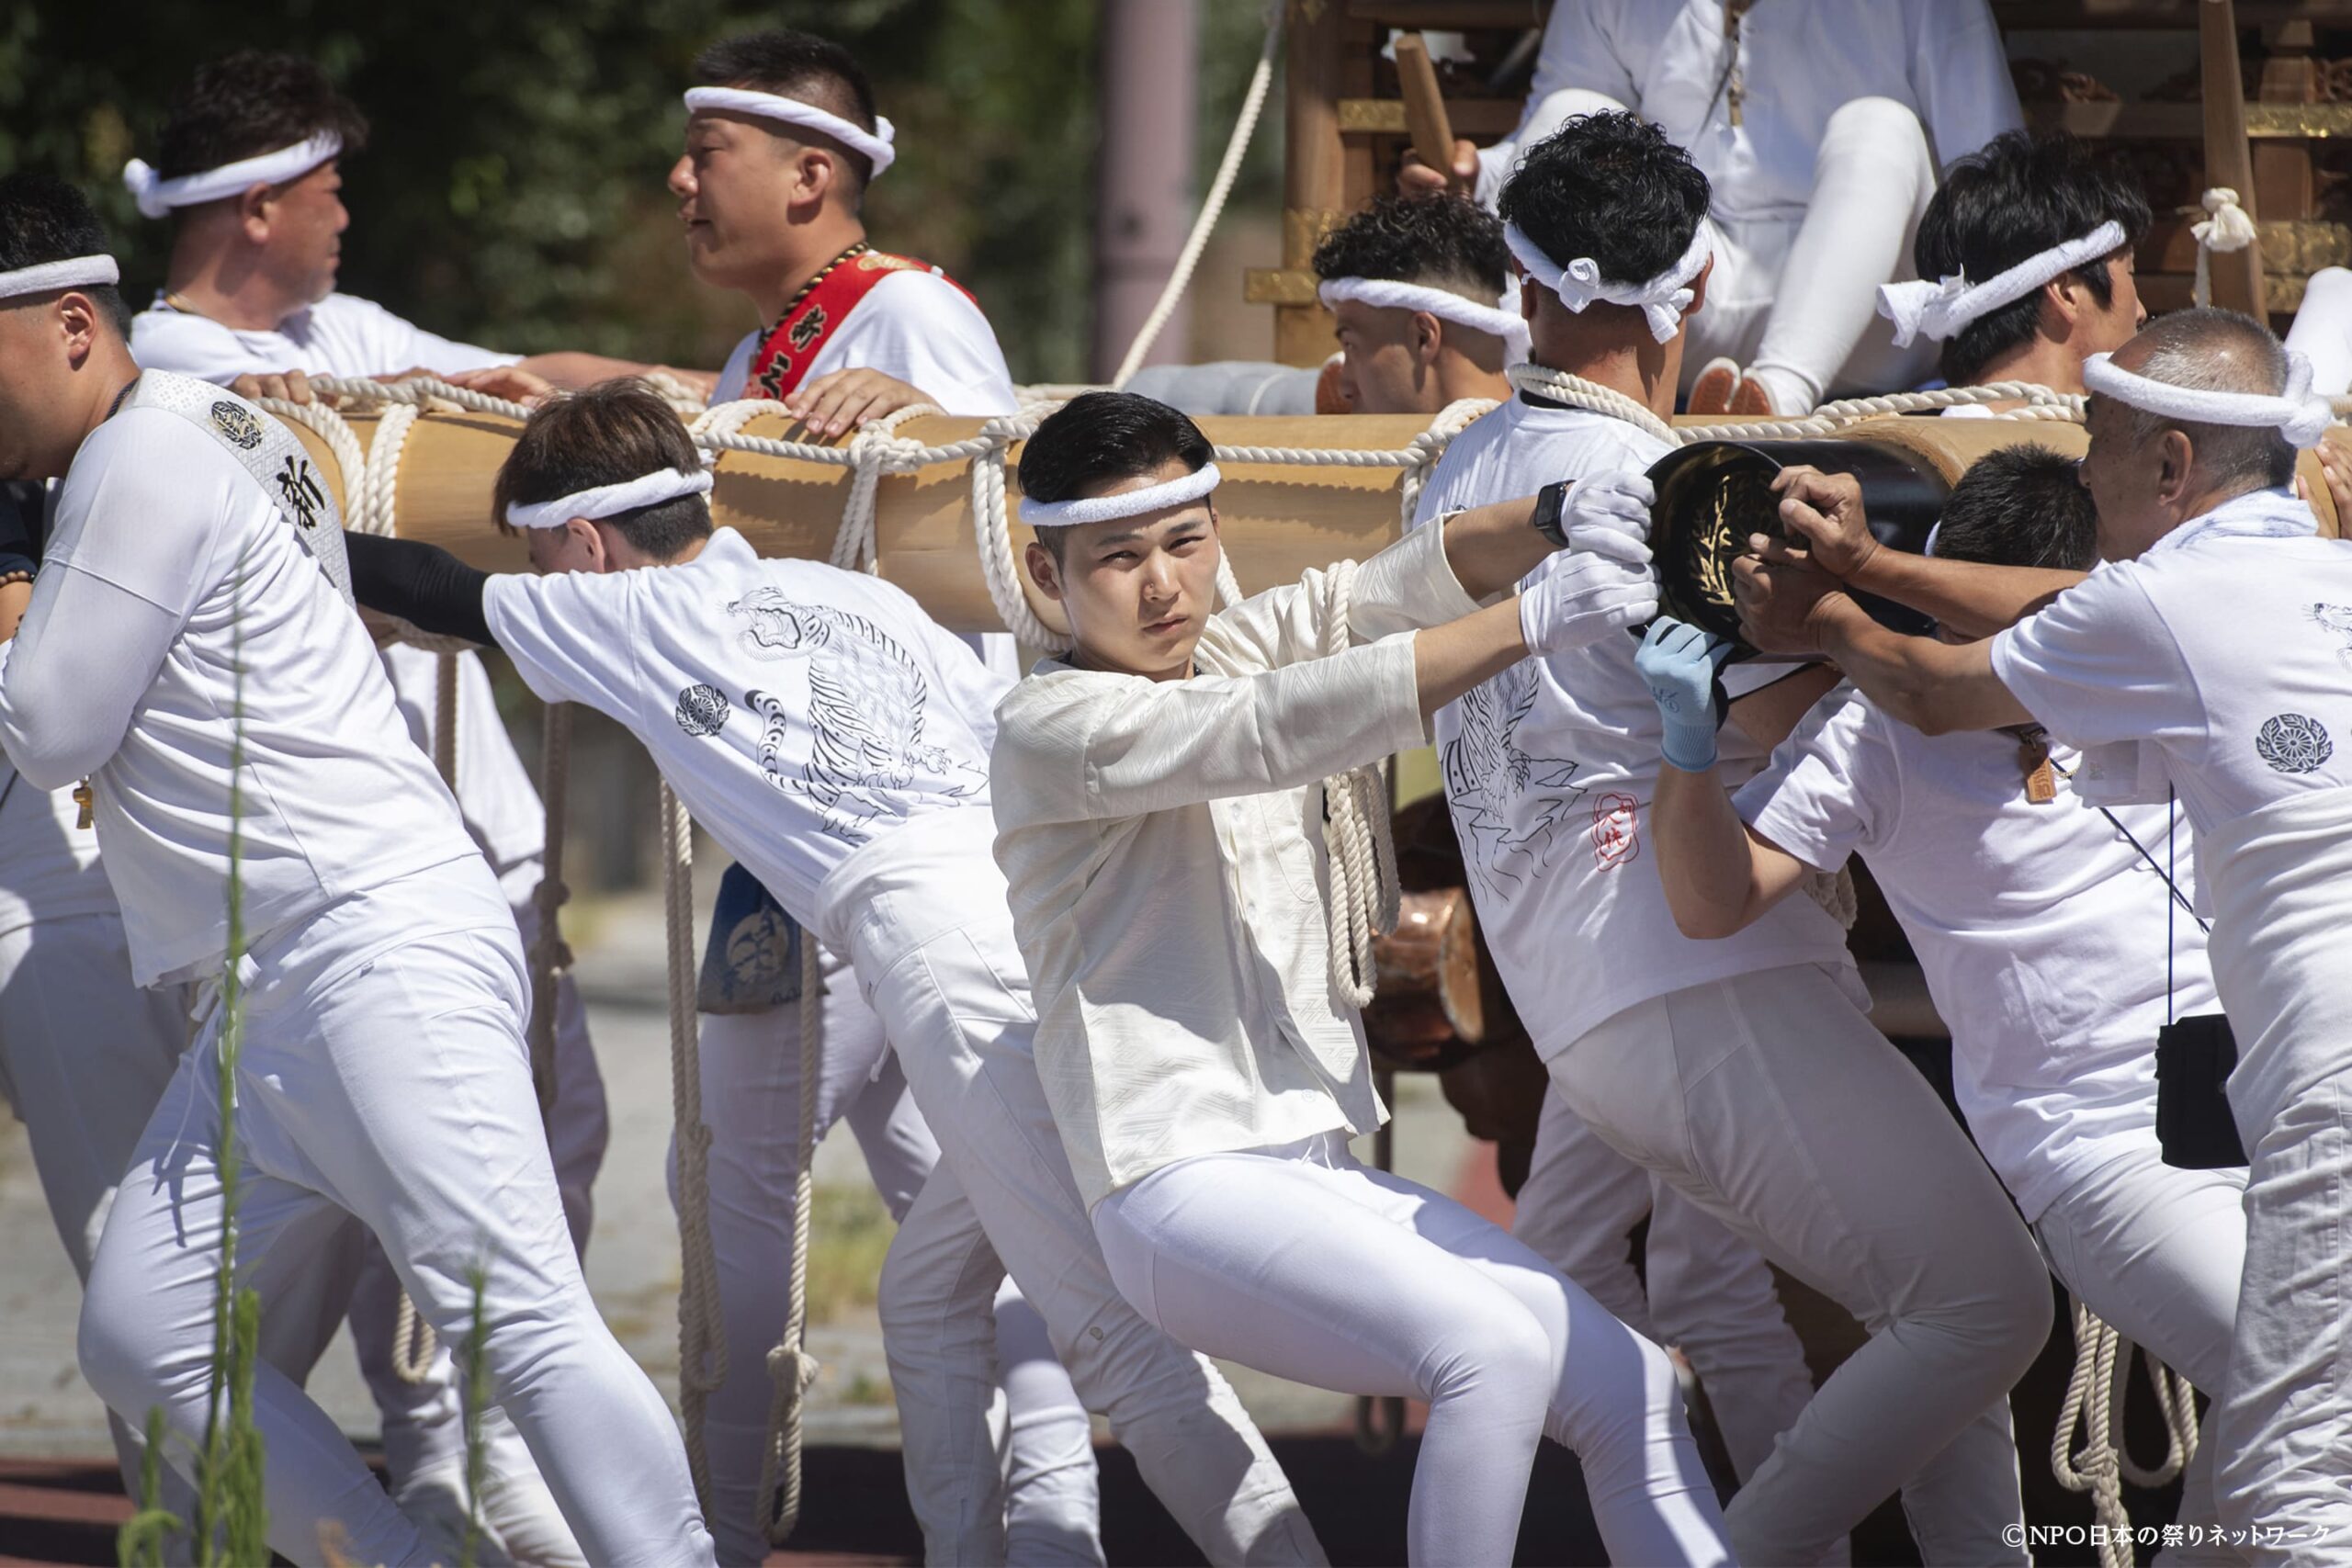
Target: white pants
{"points": [[2283, 1419], [750, 1087], [933, 947], [2322, 330], [2157, 1253], [1708, 1291], [1770, 1102], [1872, 181], [383, 1075], [84, 1056], [1301, 1262]]}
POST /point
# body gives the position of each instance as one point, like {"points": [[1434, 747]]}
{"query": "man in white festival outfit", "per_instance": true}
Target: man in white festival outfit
{"points": [[1719, 1066], [190, 648], [833, 738], [2205, 661]]}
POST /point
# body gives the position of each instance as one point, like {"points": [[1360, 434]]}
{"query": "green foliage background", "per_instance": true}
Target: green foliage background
{"points": [[512, 193]]}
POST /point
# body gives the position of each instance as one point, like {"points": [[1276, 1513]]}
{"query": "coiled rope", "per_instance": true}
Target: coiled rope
{"points": [[2094, 1405], [1357, 839]]}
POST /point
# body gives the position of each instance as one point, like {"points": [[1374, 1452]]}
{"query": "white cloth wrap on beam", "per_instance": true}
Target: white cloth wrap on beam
{"points": [[1939, 311], [157, 196], [2295, 413], [611, 501], [874, 145], [1393, 294], [1124, 503], [74, 272], [1662, 298]]}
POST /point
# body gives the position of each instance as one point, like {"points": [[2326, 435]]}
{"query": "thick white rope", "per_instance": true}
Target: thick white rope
{"points": [[1212, 204], [791, 1369], [702, 1330], [1356, 833], [2094, 1405]]}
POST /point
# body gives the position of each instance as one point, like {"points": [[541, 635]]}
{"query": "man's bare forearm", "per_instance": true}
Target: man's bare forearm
{"points": [[1491, 547], [1971, 598], [1934, 687]]}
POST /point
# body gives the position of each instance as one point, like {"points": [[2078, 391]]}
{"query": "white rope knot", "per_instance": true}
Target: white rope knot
{"points": [[2294, 412], [2225, 227], [1940, 309], [1579, 283]]}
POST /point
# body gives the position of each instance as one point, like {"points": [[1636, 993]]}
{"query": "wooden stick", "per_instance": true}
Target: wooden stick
{"points": [[2237, 276], [1425, 113]]}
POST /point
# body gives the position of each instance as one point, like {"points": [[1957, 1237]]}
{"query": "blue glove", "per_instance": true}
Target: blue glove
{"points": [[1679, 663]]}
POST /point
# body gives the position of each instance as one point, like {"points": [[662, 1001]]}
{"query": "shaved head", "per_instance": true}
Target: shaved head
{"points": [[2211, 350]]}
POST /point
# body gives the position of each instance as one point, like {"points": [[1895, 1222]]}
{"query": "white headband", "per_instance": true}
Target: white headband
{"points": [[1579, 283], [1940, 309], [1390, 294], [875, 143], [2294, 413], [157, 196], [1124, 503], [610, 501], [76, 272]]}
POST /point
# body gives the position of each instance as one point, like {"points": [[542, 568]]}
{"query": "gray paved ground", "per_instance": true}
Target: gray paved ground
{"points": [[46, 1409]]}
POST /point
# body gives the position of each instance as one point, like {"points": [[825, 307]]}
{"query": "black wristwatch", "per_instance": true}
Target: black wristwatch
{"points": [[1550, 501]]}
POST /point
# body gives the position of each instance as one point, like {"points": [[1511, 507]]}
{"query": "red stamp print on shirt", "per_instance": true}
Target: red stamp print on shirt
{"points": [[1614, 837]]}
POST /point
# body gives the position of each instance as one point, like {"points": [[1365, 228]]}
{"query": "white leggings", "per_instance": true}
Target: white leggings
{"points": [[1702, 1289], [750, 1087], [1301, 1262], [383, 1076]]}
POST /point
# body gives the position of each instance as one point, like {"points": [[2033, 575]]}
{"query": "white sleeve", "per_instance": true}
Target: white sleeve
{"points": [[737, 374], [1831, 788], [1960, 72], [2099, 666], [1579, 51], [130, 556], [165, 338], [933, 338], [401, 344], [572, 636]]}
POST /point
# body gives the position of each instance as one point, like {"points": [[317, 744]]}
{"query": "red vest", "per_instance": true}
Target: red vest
{"points": [[784, 356]]}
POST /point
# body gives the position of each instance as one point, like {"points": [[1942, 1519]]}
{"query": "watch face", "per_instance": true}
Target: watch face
{"points": [[1712, 496]]}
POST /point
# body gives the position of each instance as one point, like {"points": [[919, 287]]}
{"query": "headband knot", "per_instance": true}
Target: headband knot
{"points": [[1578, 283], [1121, 503], [612, 500], [74, 272], [2295, 413], [157, 196], [1940, 309], [1393, 294], [876, 146]]}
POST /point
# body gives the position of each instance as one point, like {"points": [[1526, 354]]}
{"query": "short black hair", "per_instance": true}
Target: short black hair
{"points": [[797, 65], [42, 219], [1447, 241], [2019, 195], [2020, 506], [1609, 186], [608, 434], [1099, 438], [249, 103]]}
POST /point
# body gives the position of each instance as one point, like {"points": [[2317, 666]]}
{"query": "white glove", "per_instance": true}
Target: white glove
{"points": [[1609, 514], [1583, 598]]}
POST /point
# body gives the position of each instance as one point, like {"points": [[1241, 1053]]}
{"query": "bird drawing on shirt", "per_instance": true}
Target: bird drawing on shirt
{"points": [[2338, 619], [1508, 805], [866, 715]]}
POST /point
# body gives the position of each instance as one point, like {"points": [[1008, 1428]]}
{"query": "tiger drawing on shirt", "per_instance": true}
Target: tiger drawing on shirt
{"points": [[867, 698], [1486, 774]]}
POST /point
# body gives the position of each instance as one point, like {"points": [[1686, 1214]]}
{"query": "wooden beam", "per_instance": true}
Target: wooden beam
{"points": [[1314, 164], [2237, 276]]}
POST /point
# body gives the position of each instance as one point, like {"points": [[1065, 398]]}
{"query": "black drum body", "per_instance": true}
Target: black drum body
{"points": [[1712, 495]]}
